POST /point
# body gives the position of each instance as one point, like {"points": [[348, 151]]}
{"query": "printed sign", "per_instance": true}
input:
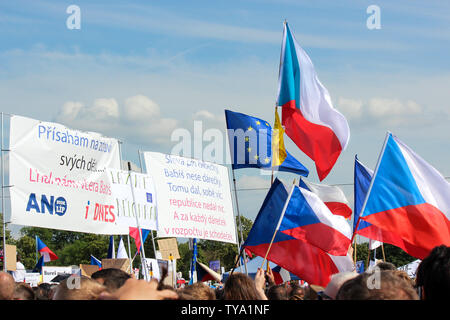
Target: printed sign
{"points": [[49, 273], [194, 198], [33, 278], [58, 178], [144, 196]]}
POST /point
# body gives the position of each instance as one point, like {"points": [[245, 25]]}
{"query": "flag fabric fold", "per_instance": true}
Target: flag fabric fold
{"points": [[121, 251], [306, 261], [45, 251], [111, 250], [362, 179], [307, 218], [39, 265], [96, 262], [134, 233], [333, 197], [204, 273], [409, 198], [252, 146], [308, 115]]}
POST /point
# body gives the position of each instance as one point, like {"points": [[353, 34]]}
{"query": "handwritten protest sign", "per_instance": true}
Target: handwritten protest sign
{"points": [[168, 247], [58, 178], [194, 198]]}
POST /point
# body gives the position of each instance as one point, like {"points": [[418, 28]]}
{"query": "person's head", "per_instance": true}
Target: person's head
{"points": [[336, 282], [197, 291], [239, 286], [7, 286], [295, 292], [23, 291], [43, 291], [80, 288], [433, 274], [111, 278], [383, 265], [277, 292], [377, 285]]}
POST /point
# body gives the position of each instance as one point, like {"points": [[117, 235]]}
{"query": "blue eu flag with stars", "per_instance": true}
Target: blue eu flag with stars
{"points": [[250, 140]]}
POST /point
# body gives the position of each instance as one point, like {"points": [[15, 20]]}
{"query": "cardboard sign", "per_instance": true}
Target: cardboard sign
{"points": [[168, 247], [10, 254], [88, 269], [122, 264]]}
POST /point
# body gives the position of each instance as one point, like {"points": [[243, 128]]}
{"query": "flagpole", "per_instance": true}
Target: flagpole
{"points": [[142, 251], [151, 231], [129, 253], [355, 249], [3, 202], [278, 225], [374, 176], [240, 221], [382, 250]]}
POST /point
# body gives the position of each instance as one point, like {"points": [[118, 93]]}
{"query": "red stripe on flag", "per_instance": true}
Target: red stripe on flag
{"points": [[322, 236], [316, 141], [423, 226], [339, 208]]}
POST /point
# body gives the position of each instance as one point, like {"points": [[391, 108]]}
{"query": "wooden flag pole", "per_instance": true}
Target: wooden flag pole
{"points": [[382, 250], [278, 225], [355, 249]]}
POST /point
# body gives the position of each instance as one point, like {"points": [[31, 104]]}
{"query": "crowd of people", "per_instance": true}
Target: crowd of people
{"points": [[383, 282]]}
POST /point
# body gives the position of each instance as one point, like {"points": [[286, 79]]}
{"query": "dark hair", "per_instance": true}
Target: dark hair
{"points": [[277, 292], [390, 287], [239, 286], [386, 266], [113, 278], [43, 291], [23, 291], [433, 274]]}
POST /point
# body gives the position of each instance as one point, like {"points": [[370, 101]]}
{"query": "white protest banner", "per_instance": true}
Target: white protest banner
{"points": [[144, 194], [33, 278], [194, 198], [58, 178], [49, 273]]}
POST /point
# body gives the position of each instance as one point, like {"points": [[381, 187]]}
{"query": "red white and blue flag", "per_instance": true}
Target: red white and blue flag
{"points": [[308, 115], [45, 251], [96, 262], [408, 198], [299, 257], [333, 197], [307, 218]]}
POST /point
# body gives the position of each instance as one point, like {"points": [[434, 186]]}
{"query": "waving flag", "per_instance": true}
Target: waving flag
{"points": [[307, 218], [111, 251], [409, 198], [308, 115], [45, 251], [306, 261], [363, 177], [121, 251], [96, 262], [39, 265], [251, 145], [204, 273], [134, 233], [333, 197]]}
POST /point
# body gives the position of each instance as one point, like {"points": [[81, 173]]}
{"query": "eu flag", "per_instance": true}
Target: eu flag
{"points": [[250, 141]]}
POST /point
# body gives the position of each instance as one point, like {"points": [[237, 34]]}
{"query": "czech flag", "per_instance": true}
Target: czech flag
{"points": [[111, 250], [251, 145], [134, 233], [45, 251], [333, 197], [96, 262], [308, 115], [362, 179], [307, 218], [409, 198], [306, 261]]}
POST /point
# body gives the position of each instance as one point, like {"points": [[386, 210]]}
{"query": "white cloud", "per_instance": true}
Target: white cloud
{"points": [[351, 108], [379, 107], [252, 182], [106, 116]]}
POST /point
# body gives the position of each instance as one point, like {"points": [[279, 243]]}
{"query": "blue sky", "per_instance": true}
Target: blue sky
{"points": [[189, 60]]}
